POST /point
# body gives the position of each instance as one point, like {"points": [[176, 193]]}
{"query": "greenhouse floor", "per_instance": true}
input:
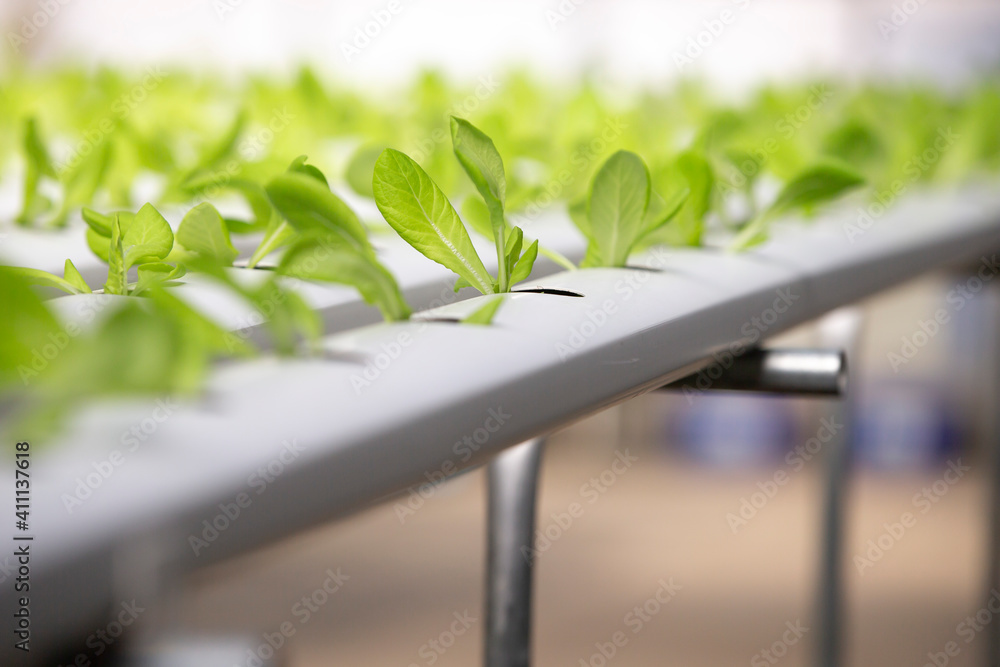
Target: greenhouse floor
{"points": [[653, 535]]}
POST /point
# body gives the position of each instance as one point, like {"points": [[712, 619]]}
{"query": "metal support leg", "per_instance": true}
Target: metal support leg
{"points": [[840, 329], [991, 458], [513, 483]]}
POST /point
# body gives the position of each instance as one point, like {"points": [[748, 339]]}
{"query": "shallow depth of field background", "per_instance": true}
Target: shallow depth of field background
{"points": [[666, 517]]}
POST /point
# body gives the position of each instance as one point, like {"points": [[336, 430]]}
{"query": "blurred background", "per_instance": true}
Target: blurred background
{"points": [[743, 579]]}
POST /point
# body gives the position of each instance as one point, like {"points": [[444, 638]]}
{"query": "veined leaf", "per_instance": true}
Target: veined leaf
{"points": [[482, 162], [619, 196], [204, 231], [420, 212]]}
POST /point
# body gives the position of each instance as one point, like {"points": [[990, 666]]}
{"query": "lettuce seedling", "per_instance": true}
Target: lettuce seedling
{"points": [[125, 240], [280, 232], [333, 245], [616, 218], [414, 205], [816, 185]]}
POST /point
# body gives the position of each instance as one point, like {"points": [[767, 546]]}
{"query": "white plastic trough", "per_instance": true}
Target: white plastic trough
{"points": [[546, 361]]}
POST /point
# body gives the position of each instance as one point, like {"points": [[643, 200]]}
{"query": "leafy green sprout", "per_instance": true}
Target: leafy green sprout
{"points": [[617, 217], [413, 205], [819, 184]]}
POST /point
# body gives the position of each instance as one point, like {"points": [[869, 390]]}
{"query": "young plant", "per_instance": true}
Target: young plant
{"points": [[816, 185], [124, 240], [414, 205], [617, 217], [332, 243]]}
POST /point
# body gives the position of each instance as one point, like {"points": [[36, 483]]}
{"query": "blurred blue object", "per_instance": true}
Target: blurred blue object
{"points": [[905, 426], [733, 430]]}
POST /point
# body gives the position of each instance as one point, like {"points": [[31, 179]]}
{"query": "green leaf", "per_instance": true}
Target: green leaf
{"points": [[578, 215], [275, 237], [74, 278], [670, 208], [420, 212], [204, 231], [148, 239], [157, 273], [332, 260], [299, 166], [117, 282], [226, 145], [310, 207], [360, 169], [44, 279], [34, 147], [619, 196], [485, 313], [816, 185], [28, 321], [83, 181], [37, 164], [100, 223], [688, 225], [482, 162], [524, 265], [209, 183], [513, 249]]}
